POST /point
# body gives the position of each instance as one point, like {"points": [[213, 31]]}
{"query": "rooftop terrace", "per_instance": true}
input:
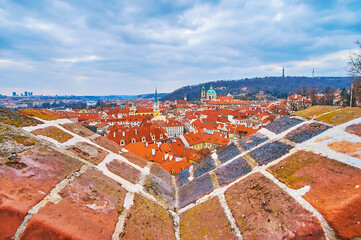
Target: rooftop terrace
{"points": [[298, 178]]}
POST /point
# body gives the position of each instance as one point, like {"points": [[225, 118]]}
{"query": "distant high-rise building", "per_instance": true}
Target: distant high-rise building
{"points": [[14, 94], [283, 72], [313, 72]]}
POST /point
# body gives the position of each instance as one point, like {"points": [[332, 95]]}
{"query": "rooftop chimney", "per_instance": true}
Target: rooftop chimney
{"points": [[153, 151]]}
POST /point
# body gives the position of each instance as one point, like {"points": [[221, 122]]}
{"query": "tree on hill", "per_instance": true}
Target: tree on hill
{"points": [[354, 69]]}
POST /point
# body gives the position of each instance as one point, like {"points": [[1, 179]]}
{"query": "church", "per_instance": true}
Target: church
{"points": [[210, 95]]}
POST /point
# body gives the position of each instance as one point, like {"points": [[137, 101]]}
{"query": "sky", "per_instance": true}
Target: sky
{"points": [[96, 47]]}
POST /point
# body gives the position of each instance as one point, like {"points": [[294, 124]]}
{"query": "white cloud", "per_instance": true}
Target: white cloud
{"points": [[79, 59], [81, 78]]}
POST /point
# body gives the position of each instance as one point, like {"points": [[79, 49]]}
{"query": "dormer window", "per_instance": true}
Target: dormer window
{"points": [[161, 136], [122, 142], [153, 137], [133, 140], [143, 139]]}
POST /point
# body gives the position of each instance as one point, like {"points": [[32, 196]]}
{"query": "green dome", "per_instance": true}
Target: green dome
{"points": [[211, 91]]}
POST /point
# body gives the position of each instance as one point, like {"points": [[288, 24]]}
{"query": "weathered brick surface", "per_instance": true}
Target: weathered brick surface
{"points": [[206, 221], [306, 132], [88, 210], [203, 167], [54, 133], [107, 144], [195, 189], [352, 149], [252, 141], [159, 172], [89, 152], [26, 180], [227, 153], [269, 152], [354, 129], [124, 170], [148, 220], [282, 124], [263, 211], [133, 158], [232, 171], [160, 189], [78, 129], [182, 177], [334, 189]]}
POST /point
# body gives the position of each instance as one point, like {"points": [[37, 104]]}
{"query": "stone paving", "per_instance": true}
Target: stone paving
{"points": [[299, 178]]}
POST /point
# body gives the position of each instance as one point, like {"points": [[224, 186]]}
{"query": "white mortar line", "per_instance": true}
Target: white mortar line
{"points": [[53, 197], [227, 211], [297, 195], [119, 227], [176, 224]]}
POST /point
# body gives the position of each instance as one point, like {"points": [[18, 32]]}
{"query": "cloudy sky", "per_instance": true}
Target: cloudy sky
{"points": [[132, 46]]}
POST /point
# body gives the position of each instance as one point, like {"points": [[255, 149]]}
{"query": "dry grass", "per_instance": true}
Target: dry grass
{"points": [[341, 116], [44, 114], [315, 111], [54, 133], [10, 117]]}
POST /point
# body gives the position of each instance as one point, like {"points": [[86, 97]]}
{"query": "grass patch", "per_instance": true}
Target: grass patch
{"points": [[315, 111], [341, 116]]}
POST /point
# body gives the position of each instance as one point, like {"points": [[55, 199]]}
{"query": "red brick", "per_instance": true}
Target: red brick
{"points": [[352, 149], [27, 181], [354, 129], [148, 220], [89, 152], [88, 210], [78, 129], [107, 144], [263, 211], [133, 158], [124, 170], [334, 189], [206, 221]]}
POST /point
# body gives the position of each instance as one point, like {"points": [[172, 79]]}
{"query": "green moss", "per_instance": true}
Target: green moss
{"points": [[40, 113], [341, 116], [10, 117], [315, 111]]}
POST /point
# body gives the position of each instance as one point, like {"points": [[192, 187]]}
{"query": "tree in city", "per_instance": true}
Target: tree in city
{"points": [[354, 69]]}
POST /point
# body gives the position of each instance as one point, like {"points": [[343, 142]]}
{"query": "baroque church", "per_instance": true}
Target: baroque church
{"points": [[210, 95]]}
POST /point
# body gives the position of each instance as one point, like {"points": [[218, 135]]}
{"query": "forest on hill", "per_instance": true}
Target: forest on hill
{"points": [[279, 87]]}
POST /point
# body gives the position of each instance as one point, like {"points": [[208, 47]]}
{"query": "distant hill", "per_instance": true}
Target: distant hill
{"points": [[275, 86]]}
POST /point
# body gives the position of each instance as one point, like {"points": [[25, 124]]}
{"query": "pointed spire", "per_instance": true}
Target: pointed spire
{"points": [[156, 97]]}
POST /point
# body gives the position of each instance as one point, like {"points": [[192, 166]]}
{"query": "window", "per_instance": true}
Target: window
{"points": [[143, 139], [122, 142], [153, 137], [133, 140], [161, 136]]}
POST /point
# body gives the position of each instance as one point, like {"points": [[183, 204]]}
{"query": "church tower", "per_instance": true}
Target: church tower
{"points": [[203, 94], [156, 111], [211, 94]]}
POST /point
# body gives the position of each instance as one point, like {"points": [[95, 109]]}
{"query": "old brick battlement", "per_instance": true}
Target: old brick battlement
{"points": [[298, 178]]}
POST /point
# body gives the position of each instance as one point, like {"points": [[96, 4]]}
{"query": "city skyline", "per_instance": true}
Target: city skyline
{"points": [[129, 47]]}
